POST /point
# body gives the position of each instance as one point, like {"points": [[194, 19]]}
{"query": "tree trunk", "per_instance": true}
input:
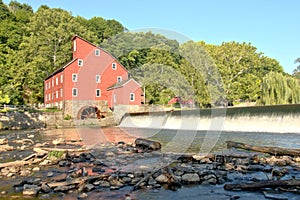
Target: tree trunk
{"points": [[264, 149], [262, 184]]}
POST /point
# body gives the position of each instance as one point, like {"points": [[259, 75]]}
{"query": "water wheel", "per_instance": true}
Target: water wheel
{"points": [[89, 113]]}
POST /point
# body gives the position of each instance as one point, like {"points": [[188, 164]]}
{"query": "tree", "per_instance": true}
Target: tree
{"points": [[296, 72], [46, 49], [241, 68], [4, 99], [103, 29], [279, 89]]}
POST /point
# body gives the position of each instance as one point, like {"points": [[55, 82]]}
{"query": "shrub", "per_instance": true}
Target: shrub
{"points": [[67, 117]]}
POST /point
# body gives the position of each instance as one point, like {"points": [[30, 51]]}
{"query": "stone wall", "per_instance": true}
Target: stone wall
{"points": [[21, 120], [73, 107]]}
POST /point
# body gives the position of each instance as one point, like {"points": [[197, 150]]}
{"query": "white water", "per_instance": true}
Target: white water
{"points": [[267, 122]]}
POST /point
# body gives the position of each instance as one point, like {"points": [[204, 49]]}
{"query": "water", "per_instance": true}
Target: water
{"points": [[196, 141], [278, 119], [115, 134]]}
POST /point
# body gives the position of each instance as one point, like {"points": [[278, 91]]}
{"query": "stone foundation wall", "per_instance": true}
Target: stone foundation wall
{"points": [[73, 107]]}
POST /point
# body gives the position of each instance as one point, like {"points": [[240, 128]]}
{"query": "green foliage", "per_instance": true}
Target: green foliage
{"points": [[67, 117], [241, 68], [4, 99], [34, 44], [55, 154], [279, 89], [296, 72]]}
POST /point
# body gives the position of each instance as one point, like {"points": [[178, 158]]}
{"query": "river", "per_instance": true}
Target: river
{"points": [[94, 135]]}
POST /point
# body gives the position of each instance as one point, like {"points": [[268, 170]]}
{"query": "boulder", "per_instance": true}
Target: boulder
{"points": [[147, 144], [162, 178], [190, 178]]}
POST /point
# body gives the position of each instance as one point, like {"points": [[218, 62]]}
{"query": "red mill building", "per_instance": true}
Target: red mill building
{"points": [[93, 81]]}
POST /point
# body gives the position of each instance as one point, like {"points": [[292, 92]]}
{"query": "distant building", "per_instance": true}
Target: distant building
{"points": [[178, 101], [93, 79]]}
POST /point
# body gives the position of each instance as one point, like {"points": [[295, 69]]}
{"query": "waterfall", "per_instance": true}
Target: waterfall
{"points": [[277, 119]]}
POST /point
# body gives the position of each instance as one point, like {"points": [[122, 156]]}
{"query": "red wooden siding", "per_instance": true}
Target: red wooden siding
{"points": [[86, 77]]}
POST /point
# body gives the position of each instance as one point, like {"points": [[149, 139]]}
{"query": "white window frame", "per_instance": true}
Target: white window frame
{"points": [[61, 78], [97, 52], [98, 93], [74, 45], [46, 86], [114, 66], [46, 97], [119, 79], [74, 80], [52, 83], [56, 94], [132, 97], [115, 98], [56, 80], [76, 93], [80, 62], [61, 92], [49, 97], [98, 78]]}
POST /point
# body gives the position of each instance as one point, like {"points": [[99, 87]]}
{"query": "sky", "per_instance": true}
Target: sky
{"points": [[270, 25]]}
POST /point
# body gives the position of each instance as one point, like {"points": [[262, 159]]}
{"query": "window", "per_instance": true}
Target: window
{"points": [[61, 92], [115, 98], [56, 80], [61, 78], [98, 93], [46, 86], [56, 95], [98, 79], [97, 52], [52, 96], [52, 83], [74, 92], [132, 97], [74, 45], [119, 79], [74, 77], [49, 97], [46, 97], [80, 62], [114, 66]]}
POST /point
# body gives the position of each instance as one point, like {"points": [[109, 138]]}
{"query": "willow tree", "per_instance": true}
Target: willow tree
{"points": [[279, 89]]}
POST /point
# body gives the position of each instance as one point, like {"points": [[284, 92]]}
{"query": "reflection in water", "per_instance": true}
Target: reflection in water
{"points": [[93, 136]]}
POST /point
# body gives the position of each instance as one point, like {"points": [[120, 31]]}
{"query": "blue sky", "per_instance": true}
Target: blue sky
{"points": [[270, 25]]}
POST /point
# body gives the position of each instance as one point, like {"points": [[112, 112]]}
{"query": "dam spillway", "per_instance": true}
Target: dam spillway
{"points": [[274, 119]]}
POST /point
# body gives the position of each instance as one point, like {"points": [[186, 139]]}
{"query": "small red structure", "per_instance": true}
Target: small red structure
{"points": [[178, 100], [174, 100], [93, 76]]}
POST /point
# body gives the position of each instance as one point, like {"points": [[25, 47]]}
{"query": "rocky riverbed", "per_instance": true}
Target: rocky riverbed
{"points": [[65, 168]]}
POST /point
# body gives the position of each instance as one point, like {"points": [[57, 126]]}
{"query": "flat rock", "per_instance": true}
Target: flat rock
{"points": [[190, 178], [274, 195], [31, 191], [63, 188], [59, 178]]}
